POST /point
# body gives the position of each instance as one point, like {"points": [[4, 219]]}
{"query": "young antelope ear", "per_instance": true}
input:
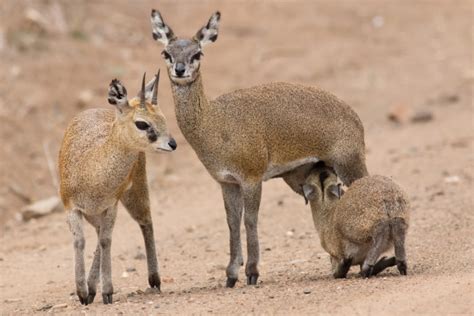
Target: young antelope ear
{"points": [[208, 34], [335, 189], [161, 31], [309, 192], [118, 95]]}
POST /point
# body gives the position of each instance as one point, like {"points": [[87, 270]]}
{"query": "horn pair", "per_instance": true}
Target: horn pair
{"points": [[154, 99]]}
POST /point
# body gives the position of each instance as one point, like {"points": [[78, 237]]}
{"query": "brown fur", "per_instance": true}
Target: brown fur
{"points": [[251, 135], [101, 161], [370, 213]]}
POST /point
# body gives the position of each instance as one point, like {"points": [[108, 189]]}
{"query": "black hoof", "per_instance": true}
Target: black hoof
{"points": [[402, 267], [107, 298], [154, 281], [252, 279], [84, 301], [90, 298], [367, 273], [230, 282]]}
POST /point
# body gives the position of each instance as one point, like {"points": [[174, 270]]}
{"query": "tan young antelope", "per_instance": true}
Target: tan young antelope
{"points": [[251, 135], [102, 161]]}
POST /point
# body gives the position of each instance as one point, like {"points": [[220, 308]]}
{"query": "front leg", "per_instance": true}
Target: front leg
{"points": [[233, 207], [105, 241], [136, 201], [251, 193], [75, 225]]}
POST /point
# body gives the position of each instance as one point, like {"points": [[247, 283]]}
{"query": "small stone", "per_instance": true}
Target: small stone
{"points": [[167, 280], [290, 233], [422, 117], [152, 290], [58, 306], [12, 300], [125, 274], [452, 179], [268, 249], [378, 21], [44, 307], [140, 256], [399, 113], [307, 291], [131, 269]]}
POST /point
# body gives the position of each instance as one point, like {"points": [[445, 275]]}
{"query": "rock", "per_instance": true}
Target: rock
{"points": [[307, 291], [12, 300], [378, 21], [152, 290], [399, 113], [167, 280], [131, 269], [290, 233], [124, 274], [41, 208], [44, 307], [452, 179], [140, 256], [422, 117]]}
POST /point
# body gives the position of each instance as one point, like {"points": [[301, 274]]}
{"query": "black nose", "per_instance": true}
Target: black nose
{"points": [[179, 69], [172, 144]]}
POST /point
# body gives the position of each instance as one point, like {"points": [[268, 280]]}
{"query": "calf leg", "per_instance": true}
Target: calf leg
{"points": [[383, 264], [105, 242], [342, 268], [94, 272], [251, 194], [136, 201], [233, 207], [76, 227], [380, 240], [399, 227]]}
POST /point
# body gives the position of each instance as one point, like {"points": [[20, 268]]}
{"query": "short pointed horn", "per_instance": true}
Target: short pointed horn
{"points": [[154, 99], [142, 92]]}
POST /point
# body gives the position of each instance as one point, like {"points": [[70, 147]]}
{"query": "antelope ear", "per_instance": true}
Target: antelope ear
{"points": [[335, 189], [117, 95], [208, 33], [161, 32], [309, 192]]}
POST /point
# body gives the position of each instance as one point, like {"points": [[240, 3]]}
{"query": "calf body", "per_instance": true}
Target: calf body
{"points": [[356, 228]]}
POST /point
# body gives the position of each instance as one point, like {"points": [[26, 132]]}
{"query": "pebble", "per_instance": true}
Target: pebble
{"points": [[57, 306], [422, 117], [307, 291]]}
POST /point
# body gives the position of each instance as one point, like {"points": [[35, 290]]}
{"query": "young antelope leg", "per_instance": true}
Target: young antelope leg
{"points": [[383, 264], [251, 199], [342, 268], [381, 238], [75, 225], [233, 207], [105, 241], [398, 234]]}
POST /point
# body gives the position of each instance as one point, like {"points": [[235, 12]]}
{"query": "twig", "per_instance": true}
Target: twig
{"points": [[51, 168]]}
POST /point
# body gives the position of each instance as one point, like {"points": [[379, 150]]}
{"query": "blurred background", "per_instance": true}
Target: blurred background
{"points": [[406, 67]]}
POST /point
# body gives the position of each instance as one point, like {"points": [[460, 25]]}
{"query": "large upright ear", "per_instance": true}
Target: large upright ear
{"points": [[336, 190], [208, 33], [161, 31], [118, 95]]}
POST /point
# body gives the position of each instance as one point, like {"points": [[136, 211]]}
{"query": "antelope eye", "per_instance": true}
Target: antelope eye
{"points": [[142, 125], [196, 56], [166, 55]]}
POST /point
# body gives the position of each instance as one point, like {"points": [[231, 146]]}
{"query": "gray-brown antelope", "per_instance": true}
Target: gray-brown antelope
{"points": [[248, 136], [357, 227], [102, 161]]}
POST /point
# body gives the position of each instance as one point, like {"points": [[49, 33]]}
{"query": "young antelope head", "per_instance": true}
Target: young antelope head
{"points": [[142, 123], [183, 56], [321, 186]]}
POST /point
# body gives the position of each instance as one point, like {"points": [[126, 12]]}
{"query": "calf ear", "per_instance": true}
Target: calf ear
{"points": [[335, 189], [118, 96], [208, 33], [161, 32], [309, 192]]}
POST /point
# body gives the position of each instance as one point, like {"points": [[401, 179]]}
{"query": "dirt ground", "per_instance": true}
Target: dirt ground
{"points": [[408, 57]]}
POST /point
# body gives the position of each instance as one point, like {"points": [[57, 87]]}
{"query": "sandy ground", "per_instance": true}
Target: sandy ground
{"points": [[376, 55]]}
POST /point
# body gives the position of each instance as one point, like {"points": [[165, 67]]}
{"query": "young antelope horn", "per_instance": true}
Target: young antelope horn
{"points": [[154, 99], [142, 92]]}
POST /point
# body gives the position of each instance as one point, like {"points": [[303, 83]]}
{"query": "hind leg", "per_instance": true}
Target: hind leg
{"points": [[398, 234], [94, 272], [379, 245], [383, 264], [75, 225]]}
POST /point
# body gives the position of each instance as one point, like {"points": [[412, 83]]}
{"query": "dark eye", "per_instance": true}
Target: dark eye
{"points": [[166, 55], [197, 56], [142, 125]]}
